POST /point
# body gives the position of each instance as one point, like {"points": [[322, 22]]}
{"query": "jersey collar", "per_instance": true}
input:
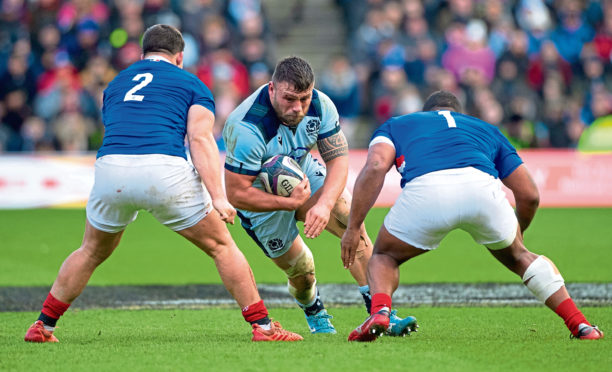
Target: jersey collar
{"points": [[158, 58]]}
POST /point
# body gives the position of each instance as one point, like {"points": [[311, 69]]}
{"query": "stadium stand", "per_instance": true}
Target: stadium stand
{"points": [[539, 69]]}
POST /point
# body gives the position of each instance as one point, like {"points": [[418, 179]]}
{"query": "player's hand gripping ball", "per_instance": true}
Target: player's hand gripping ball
{"points": [[280, 175]]}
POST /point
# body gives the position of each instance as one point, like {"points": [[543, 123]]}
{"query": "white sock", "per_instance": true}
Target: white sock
{"points": [[48, 328]]}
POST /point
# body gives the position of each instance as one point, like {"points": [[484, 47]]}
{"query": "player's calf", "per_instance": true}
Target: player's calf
{"points": [[543, 279]]}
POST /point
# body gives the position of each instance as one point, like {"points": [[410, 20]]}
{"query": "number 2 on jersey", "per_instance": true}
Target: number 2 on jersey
{"points": [[449, 118], [130, 96]]}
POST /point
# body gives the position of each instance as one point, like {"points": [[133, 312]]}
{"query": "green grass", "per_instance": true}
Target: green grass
{"points": [[450, 339], [33, 244]]}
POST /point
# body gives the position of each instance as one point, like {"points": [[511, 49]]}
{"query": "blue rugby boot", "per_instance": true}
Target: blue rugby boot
{"points": [[399, 326], [320, 323]]}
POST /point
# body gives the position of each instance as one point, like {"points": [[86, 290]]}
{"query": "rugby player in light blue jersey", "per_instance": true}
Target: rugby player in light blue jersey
{"points": [[451, 166], [289, 117], [147, 111]]}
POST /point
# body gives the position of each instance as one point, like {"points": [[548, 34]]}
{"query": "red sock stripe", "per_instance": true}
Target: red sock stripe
{"points": [[255, 312], [53, 307], [571, 315], [380, 300]]}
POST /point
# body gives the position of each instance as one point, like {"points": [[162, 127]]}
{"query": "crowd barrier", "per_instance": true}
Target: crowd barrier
{"points": [[565, 178]]}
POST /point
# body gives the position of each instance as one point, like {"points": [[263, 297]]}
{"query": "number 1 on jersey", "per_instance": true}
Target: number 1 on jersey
{"points": [[449, 118], [130, 96]]}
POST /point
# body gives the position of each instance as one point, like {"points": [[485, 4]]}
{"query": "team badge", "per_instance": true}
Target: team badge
{"points": [[313, 126], [275, 244]]}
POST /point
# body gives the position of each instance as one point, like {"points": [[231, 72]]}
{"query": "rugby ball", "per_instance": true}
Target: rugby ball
{"points": [[280, 174]]}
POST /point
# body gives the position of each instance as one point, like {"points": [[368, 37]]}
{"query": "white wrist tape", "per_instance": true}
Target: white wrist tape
{"points": [[542, 278]]}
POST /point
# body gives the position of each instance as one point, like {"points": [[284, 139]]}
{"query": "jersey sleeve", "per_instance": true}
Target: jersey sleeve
{"points": [[330, 123], [246, 148], [202, 95], [507, 159], [382, 134]]}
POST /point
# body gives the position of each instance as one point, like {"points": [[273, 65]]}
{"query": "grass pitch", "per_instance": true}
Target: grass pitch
{"points": [[34, 243], [450, 339]]}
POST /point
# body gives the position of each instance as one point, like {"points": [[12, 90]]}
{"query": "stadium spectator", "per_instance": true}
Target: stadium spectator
{"points": [[452, 166], [548, 62], [422, 35], [144, 151], [468, 55], [339, 82], [572, 31]]}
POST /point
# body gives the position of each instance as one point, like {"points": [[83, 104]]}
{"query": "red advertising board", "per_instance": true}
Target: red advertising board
{"points": [[565, 178]]}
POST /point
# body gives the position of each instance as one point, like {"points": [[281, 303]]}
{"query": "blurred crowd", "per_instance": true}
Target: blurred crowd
{"points": [[56, 58], [538, 69]]}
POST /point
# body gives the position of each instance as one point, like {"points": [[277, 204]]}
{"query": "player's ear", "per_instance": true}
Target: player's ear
{"points": [[271, 88], [179, 59], [142, 56]]}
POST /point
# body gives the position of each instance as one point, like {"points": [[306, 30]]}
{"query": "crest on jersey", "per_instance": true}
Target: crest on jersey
{"points": [[313, 126], [275, 244], [400, 163]]}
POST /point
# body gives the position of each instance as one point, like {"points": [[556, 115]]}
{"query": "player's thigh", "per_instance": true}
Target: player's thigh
{"points": [[287, 259], [274, 232], [420, 216], [210, 234], [390, 245], [99, 244], [179, 200], [109, 207], [316, 173], [488, 216]]}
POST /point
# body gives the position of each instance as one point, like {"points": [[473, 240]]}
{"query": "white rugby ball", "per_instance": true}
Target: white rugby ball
{"points": [[280, 174]]}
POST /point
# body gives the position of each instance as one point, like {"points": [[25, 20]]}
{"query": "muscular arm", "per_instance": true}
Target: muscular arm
{"points": [[243, 195], [334, 151], [369, 182], [367, 188], [525, 193], [205, 158]]}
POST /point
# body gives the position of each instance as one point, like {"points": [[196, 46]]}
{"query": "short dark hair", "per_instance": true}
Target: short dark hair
{"points": [[295, 71], [162, 39], [442, 99]]}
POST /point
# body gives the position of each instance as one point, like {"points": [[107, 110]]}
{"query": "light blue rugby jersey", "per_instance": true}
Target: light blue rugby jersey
{"points": [[253, 133], [435, 140], [145, 109]]}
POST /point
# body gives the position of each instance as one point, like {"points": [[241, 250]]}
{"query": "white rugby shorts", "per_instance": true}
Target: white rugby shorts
{"points": [[166, 186], [432, 205]]}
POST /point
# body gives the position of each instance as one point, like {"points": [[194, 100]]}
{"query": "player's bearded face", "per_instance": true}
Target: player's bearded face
{"points": [[290, 105]]}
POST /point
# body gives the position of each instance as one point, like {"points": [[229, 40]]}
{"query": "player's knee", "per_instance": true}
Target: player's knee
{"points": [[363, 249], [342, 208], [302, 265], [542, 278], [215, 247], [303, 289]]}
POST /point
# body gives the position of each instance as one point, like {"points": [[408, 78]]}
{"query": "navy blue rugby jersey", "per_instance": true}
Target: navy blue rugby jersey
{"points": [[145, 109], [435, 140]]}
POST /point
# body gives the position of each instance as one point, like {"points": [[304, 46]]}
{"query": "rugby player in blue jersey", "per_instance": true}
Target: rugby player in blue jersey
{"points": [[148, 109], [451, 166], [288, 116]]}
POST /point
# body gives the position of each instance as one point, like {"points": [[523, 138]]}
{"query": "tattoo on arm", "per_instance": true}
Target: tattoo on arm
{"points": [[333, 146]]}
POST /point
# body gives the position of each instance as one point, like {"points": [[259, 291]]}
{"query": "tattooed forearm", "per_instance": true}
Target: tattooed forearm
{"points": [[333, 146]]}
